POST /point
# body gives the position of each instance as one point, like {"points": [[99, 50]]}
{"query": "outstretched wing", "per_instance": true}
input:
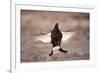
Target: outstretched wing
{"points": [[44, 38], [47, 37], [67, 35]]}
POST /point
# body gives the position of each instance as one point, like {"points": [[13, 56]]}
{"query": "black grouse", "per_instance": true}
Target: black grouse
{"points": [[56, 37]]}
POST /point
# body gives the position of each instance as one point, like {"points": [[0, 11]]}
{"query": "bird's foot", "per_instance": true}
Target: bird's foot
{"points": [[51, 53], [64, 51]]}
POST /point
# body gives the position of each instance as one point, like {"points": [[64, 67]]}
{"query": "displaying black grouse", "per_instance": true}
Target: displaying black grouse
{"points": [[56, 37]]}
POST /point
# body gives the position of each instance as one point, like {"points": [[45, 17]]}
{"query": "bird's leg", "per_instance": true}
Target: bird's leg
{"points": [[51, 53], [64, 51]]}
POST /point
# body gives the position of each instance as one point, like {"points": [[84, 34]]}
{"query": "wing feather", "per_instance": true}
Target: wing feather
{"points": [[44, 38], [47, 38], [67, 35]]}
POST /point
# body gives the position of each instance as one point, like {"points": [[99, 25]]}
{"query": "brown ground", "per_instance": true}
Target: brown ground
{"points": [[34, 23]]}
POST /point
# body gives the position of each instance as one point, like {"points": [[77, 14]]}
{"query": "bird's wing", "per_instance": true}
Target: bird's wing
{"points": [[47, 37], [67, 35], [44, 38]]}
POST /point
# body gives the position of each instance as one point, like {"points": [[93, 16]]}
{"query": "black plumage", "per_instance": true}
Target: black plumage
{"points": [[56, 37]]}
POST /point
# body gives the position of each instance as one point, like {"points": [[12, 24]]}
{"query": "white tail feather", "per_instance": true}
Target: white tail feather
{"points": [[56, 49]]}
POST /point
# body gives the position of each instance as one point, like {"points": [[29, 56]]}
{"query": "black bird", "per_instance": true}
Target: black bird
{"points": [[56, 37]]}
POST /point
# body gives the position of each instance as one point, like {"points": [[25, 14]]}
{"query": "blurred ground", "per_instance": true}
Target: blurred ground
{"points": [[35, 23]]}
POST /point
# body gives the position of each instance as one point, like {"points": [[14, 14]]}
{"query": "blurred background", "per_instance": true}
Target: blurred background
{"points": [[35, 23]]}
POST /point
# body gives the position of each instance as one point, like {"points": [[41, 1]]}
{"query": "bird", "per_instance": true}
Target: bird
{"points": [[56, 37]]}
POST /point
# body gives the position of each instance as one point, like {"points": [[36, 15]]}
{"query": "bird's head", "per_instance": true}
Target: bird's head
{"points": [[56, 25]]}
